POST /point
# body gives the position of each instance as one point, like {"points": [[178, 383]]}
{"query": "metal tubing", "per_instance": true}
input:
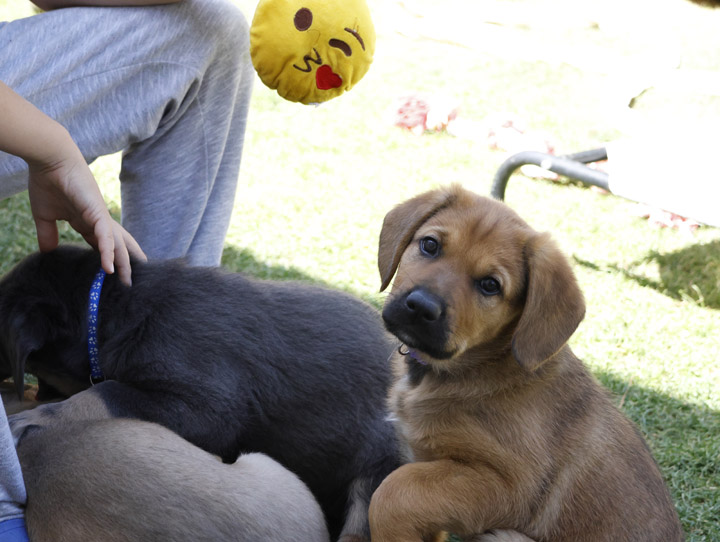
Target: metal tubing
{"points": [[571, 166], [588, 157]]}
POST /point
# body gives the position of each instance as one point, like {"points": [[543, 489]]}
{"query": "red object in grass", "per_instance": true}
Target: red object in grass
{"points": [[421, 114]]}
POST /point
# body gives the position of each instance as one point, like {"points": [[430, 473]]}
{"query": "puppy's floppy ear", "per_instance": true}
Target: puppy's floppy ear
{"points": [[554, 304], [400, 225], [24, 337], [24, 331]]}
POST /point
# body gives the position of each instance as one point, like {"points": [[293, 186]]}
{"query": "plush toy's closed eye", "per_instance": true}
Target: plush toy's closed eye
{"points": [[311, 50]]}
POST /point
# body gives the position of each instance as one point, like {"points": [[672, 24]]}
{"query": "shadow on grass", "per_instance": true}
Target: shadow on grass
{"points": [[693, 272], [684, 440], [241, 260], [689, 274], [17, 231]]}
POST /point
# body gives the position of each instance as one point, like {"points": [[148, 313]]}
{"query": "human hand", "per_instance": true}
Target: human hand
{"points": [[67, 190], [61, 185]]}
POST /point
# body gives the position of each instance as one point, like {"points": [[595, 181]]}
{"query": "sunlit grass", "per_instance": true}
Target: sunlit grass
{"points": [[316, 183]]}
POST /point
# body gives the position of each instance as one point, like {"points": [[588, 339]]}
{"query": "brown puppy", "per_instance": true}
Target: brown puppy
{"points": [[507, 428]]}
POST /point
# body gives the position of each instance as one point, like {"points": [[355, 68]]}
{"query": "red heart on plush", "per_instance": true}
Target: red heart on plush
{"points": [[326, 79]]}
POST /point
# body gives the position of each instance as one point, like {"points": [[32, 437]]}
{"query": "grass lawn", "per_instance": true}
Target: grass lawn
{"points": [[316, 183]]}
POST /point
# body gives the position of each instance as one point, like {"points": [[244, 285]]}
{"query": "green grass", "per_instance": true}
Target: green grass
{"points": [[316, 183]]}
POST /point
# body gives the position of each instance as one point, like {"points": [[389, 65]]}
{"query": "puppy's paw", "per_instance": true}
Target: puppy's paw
{"points": [[501, 536]]}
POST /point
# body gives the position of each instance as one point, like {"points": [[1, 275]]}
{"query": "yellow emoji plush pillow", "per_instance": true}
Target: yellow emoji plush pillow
{"points": [[311, 50]]}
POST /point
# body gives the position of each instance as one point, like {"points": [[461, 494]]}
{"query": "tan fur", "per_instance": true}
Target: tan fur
{"points": [[501, 536], [508, 429], [122, 480]]}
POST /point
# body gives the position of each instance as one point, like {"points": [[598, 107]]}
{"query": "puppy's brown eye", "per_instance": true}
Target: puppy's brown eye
{"points": [[429, 246], [488, 286], [303, 19]]}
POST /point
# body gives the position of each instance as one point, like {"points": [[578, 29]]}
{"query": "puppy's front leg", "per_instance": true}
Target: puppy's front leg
{"points": [[419, 500]]}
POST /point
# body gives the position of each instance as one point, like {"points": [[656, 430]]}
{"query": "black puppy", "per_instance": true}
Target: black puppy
{"points": [[231, 364]]}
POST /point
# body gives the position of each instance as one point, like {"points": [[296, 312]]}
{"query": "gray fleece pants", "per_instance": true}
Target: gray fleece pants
{"points": [[167, 85], [12, 487]]}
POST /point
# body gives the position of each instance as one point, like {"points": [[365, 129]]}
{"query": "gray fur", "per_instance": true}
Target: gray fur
{"points": [[233, 365]]}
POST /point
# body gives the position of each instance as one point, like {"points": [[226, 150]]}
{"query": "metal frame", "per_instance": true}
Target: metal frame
{"points": [[570, 165]]}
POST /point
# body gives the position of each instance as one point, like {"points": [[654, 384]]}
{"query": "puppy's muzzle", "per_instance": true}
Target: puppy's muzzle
{"points": [[419, 319], [423, 307]]}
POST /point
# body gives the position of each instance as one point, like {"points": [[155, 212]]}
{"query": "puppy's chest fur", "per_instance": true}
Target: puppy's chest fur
{"points": [[438, 420]]}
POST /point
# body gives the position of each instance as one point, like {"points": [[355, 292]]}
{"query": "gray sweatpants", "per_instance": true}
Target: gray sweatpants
{"points": [[12, 488], [167, 85]]}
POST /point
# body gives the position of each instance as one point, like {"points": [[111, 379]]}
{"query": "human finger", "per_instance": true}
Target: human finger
{"points": [[122, 257], [104, 242], [133, 246], [47, 234]]}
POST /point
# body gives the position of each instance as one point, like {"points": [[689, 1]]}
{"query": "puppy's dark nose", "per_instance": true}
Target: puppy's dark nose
{"points": [[424, 305]]}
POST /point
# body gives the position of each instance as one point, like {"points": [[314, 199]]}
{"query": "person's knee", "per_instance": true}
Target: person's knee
{"points": [[221, 23]]}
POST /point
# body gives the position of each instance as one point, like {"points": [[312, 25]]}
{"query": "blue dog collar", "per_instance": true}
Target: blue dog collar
{"points": [[96, 374]]}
